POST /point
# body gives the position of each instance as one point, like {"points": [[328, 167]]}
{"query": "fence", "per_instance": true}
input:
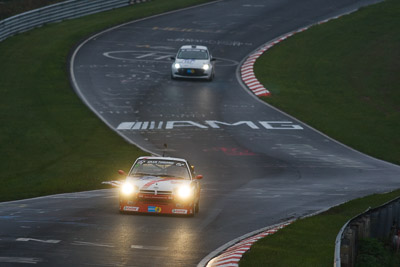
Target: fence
{"points": [[377, 223], [57, 12]]}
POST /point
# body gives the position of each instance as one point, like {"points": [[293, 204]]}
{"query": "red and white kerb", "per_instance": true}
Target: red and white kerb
{"points": [[247, 69], [231, 256]]}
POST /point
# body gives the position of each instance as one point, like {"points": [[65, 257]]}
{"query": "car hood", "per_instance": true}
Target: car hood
{"points": [[191, 63], [157, 183]]}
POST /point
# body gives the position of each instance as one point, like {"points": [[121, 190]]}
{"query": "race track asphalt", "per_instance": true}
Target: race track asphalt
{"points": [[260, 166]]}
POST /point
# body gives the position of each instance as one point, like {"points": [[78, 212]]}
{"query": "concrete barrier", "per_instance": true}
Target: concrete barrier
{"points": [[381, 223]]}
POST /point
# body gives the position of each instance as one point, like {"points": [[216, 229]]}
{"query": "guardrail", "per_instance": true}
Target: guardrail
{"points": [[57, 12], [380, 223]]}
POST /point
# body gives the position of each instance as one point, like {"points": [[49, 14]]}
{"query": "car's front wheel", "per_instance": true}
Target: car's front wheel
{"points": [[211, 77]]}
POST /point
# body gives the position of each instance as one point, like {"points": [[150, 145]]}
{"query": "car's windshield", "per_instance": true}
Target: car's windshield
{"points": [[165, 168], [192, 54]]}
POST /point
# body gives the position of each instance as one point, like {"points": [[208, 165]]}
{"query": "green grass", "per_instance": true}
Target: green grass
{"points": [[311, 241], [375, 253], [343, 78], [50, 142]]}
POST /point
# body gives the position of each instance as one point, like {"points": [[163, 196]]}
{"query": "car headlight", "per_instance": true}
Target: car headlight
{"points": [[185, 192], [206, 66], [128, 189], [177, 66]]}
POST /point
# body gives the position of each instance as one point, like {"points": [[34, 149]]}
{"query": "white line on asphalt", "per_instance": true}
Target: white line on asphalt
{"points": [[149, 247], [146, 55], [112, 197], [162, 57], [80, 243], [23, 239], [20, 260]]}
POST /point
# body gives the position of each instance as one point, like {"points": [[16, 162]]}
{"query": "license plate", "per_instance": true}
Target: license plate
{"points": [[190, 71]]}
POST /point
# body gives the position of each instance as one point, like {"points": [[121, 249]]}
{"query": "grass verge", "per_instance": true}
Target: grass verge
{"points": [[310, 241], [343, 78], [50, 142], [375, 253]]}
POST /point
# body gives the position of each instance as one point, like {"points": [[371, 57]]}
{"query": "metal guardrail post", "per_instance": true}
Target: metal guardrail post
{"points": [[339, 246]]}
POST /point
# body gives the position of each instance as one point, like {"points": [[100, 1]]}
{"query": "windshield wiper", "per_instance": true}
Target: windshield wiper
{"points": [[175, 176], [158, 175], [144, 174]]}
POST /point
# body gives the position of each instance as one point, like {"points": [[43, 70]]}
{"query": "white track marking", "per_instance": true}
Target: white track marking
{"points": [[20, 260], [23, 239], [149, 247], [80, 243]]}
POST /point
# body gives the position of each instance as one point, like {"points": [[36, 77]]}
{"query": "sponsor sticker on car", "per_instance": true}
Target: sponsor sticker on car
{"points": [[179, 211], [129, 208], [154, 209]]}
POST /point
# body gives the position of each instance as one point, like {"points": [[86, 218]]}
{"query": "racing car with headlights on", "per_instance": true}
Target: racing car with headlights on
{"points": [[193, 61], [160, 185]]}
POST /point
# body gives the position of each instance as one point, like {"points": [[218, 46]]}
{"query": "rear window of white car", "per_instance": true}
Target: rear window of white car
{"points": [[192, 54]]}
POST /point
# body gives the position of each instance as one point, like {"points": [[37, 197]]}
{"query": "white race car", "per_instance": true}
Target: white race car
{"points": [[160, 185], [193, 61]]}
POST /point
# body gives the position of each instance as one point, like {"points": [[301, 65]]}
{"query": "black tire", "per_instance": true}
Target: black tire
{"points": [[194, 211], [197, 207]]}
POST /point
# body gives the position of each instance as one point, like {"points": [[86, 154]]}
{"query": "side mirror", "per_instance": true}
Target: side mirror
{"points": [[121, 172], [199, 177], [172, 58], [213, 59]]}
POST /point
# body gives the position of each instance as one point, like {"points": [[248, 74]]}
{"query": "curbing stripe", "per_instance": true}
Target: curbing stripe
{"points": [[260, 91], [263, 91], [232, 255], [252, 84], [247, 68], [231, 252], [249, 71], [251, 79], [212, 256]]}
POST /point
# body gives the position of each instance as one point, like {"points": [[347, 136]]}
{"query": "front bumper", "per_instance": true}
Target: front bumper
{"points": [[191, 73], [158, 204]]}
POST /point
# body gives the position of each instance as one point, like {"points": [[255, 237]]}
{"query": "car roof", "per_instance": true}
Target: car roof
{"points": [[194, 47], [162, 158]]}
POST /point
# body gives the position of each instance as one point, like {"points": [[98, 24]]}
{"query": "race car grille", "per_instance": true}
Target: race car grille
{"points": [[191, 72], [152, 192], [149, 196], [151, 201]]}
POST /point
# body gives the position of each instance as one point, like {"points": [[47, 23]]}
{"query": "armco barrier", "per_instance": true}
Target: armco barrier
{"points": [[381, 223], [57, 12]]}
